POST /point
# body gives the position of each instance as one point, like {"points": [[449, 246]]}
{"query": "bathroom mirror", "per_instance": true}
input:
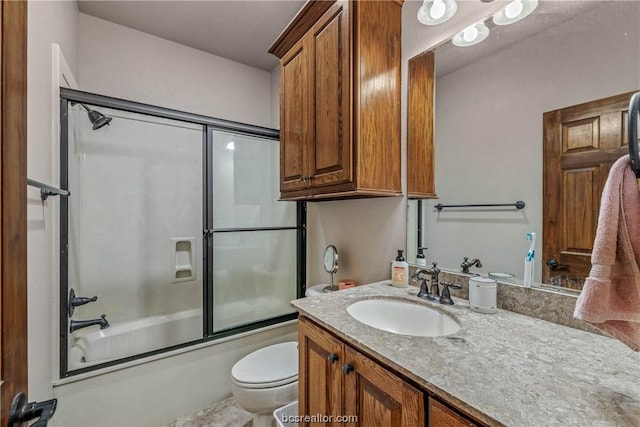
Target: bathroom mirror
{"points": [[490, 100]]}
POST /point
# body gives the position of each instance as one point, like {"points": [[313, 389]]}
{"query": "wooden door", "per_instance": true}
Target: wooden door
{"points": [[580, 145], [377, 397], [13, 201], [295, 116], [330, 161], [320, 380]]}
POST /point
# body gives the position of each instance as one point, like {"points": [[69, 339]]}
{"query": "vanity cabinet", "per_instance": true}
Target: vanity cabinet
{"points": [[338, 380], [340, 101]]}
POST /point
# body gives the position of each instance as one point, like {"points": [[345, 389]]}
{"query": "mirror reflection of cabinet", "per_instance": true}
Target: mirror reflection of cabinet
{"points": [[420, 119]]}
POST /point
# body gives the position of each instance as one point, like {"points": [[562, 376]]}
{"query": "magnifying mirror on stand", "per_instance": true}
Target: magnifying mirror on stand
{"points": [[330, 266]]}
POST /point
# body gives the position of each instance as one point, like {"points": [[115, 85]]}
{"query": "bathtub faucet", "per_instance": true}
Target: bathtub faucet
{"points": [[74, 325]]}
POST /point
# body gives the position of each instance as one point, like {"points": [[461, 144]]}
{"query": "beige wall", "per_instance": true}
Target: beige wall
{"points": [[129, 64], [48, 22]]}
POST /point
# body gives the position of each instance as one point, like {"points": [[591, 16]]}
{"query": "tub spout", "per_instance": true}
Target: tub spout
{"points": [[74, 325]]}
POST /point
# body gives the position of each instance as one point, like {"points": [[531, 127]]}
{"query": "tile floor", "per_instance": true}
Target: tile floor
{"points": [[223, 414]]}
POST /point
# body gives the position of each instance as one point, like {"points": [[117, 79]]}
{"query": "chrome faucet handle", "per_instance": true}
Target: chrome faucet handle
{"points": [[420, 275], [445, 298], [75, 301]]}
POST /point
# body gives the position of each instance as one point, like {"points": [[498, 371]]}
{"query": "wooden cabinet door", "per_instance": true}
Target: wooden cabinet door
{"points": [[441, 416], [420, 120], [580, 145], [295, 116], [377, 397], [330, 160], [320, 378]]}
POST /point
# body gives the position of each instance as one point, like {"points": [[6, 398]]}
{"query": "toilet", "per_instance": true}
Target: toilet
{"points": [[265, 380]]}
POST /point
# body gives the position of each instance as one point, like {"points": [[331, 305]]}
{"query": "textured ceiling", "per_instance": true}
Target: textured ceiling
{"points": [[243, 30], [240, 30], [547, 15]]}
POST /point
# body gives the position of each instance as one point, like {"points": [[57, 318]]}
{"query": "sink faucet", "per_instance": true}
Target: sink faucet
{"points": [[74, 325], [466, 264]]}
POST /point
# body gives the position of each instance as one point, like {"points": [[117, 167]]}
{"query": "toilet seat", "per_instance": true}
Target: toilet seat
{"points": [[268, 367]]}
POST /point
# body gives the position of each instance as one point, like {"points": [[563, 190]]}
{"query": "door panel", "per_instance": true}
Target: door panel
{"points": [[581, 143], [295, 117], [13, 202], [379, 398], [320, 359], [330, 162]]}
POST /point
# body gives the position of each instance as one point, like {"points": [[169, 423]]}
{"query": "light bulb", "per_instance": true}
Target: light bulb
{"points": [[470, 34], [437, 9], [513, 9]]}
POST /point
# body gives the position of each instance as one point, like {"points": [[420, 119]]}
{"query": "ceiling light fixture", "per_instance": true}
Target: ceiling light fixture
{"points": [[433, 12], [471, 35], [514, 11]]}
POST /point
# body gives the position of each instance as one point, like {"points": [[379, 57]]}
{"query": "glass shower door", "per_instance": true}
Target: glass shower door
{"points": [[134, 234], [254, 235]]}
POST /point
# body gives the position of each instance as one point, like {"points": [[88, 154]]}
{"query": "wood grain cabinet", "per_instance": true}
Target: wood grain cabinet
{"points": [[337, 380], [420, 127], [340, 101]]}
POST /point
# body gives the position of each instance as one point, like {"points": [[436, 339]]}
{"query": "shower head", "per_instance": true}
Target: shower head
{"points": [[96, 118]]}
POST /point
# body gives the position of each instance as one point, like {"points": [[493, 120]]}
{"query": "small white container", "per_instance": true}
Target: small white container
{"points": [[285, 414], [482, 295]]}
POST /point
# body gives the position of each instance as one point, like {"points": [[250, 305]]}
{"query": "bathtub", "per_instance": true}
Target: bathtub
{"points": [[130, 338], [134, 337]]}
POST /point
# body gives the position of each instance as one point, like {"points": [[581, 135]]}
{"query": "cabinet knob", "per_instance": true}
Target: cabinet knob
{"points": [[347, 368], [333, 358]]}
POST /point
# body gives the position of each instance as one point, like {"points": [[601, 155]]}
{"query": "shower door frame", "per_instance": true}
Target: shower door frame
{"points": [[209, 124]]}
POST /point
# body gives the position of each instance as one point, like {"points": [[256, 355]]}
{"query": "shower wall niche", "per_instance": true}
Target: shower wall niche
{"points": [[173, 223]]}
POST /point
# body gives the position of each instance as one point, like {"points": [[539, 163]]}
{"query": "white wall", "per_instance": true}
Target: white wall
{"points": [[48, 22], [489, 130], [124, 63]]}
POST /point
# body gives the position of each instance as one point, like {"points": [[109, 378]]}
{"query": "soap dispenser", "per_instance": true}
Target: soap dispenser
{"points": [[420, 259], [400, 271]]}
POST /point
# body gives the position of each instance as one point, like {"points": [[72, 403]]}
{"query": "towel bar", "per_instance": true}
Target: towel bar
{"points": [[47, 190]]}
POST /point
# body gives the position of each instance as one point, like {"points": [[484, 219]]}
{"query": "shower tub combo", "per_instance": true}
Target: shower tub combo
{"points": [[135, 337]]}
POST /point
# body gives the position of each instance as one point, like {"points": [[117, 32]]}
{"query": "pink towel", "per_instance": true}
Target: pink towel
{"points": [[610, 299]]}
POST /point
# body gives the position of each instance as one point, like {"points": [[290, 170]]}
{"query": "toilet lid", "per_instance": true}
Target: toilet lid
{"points": [[273, 365]]}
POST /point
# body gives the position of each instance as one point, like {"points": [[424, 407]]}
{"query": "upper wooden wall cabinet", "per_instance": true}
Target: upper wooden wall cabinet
{"points": [[340, 101]]}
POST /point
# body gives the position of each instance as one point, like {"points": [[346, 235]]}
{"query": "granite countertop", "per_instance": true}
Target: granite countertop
{"points": [[503, 368]]}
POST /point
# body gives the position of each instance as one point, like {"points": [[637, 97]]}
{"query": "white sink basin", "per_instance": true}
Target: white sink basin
{"points": [[402, 317]]}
